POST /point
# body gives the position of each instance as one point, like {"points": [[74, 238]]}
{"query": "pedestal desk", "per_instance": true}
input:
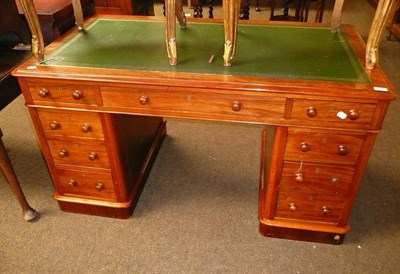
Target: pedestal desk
{"points": [[98, 103]]}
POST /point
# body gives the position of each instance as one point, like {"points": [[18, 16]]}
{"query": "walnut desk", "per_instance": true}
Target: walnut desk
{"points": [[98, 103]]}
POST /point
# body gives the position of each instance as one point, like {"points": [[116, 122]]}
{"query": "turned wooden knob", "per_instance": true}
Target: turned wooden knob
{"points": [[325, 210], [236, 106], [77, 94], [143, 100], [299, 177], [342, 150], [72, 183], [54, 125], [354, 114], [44, 93], [334, 180], [311, 112], [337, 239], [86, 128], [292, 206], [63, 153], [99, 186], [304, 147], [92, 156]]}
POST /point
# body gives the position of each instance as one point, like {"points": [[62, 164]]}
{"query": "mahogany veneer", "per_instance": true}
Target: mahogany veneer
{"points": [[100, 129]]}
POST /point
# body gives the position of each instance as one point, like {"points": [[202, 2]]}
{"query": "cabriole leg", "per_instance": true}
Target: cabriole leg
{"points": [[231, 17]]}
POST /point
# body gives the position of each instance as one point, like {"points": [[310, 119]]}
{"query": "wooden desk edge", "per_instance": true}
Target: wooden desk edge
{"points": [[377, 76]]}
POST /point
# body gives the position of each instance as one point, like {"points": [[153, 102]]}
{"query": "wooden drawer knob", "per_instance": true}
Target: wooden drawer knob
{"points": [[299, 177], [342, 150], [63, 153], [86, 128], [54, 125], [72, 183], [304, 147], [325, 210], [236, 106], [311, 112], [292, 206], [99, 186], [44, 93], [143, 100], [77, 94], [334, 180], [354, 114], [92, 156]]}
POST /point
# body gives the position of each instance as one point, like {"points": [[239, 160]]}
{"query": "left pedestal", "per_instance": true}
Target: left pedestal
{"points": [[104, 173], [99, 162]]}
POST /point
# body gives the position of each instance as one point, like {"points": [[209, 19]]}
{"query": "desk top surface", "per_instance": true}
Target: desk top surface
{"points": [[287, 52]]}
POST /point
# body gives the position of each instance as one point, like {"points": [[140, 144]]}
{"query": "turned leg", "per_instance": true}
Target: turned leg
{"points": [[180, 15], [336, 15], [198, 8], [8, 171], [231, 17], [174, 9], [171, 32], [31, 16], [78, 14], [257, 5], [374, 37]]}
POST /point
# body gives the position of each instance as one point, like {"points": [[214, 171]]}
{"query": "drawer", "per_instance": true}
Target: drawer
{"points": [[200, 101], [330, 179], [71, 123], [333, 113], [57, 91], [79, 153], [85, 183], [309, 206], [323, 147]]}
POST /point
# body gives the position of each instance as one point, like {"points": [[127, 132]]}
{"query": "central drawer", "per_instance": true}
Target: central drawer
{"points": [[199, 100]]}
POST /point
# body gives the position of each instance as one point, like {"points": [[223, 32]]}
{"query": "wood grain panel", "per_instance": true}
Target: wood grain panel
{"points": [[61, 92], [70, 123], [309, 206], [328, 112], [78, 151], [323, 146], [319, 178], [86, 183], [194, 101]]}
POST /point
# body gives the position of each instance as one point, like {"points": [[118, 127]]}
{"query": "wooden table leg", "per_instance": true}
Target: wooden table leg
{"points": [[174, 9], [336, 15], [78, 14], [180, 15], [8, 171], [32, 18], [231, 17], [375, 33]]}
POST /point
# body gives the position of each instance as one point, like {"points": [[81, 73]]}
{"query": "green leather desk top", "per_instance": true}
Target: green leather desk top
{"points": [[308, 53]]}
